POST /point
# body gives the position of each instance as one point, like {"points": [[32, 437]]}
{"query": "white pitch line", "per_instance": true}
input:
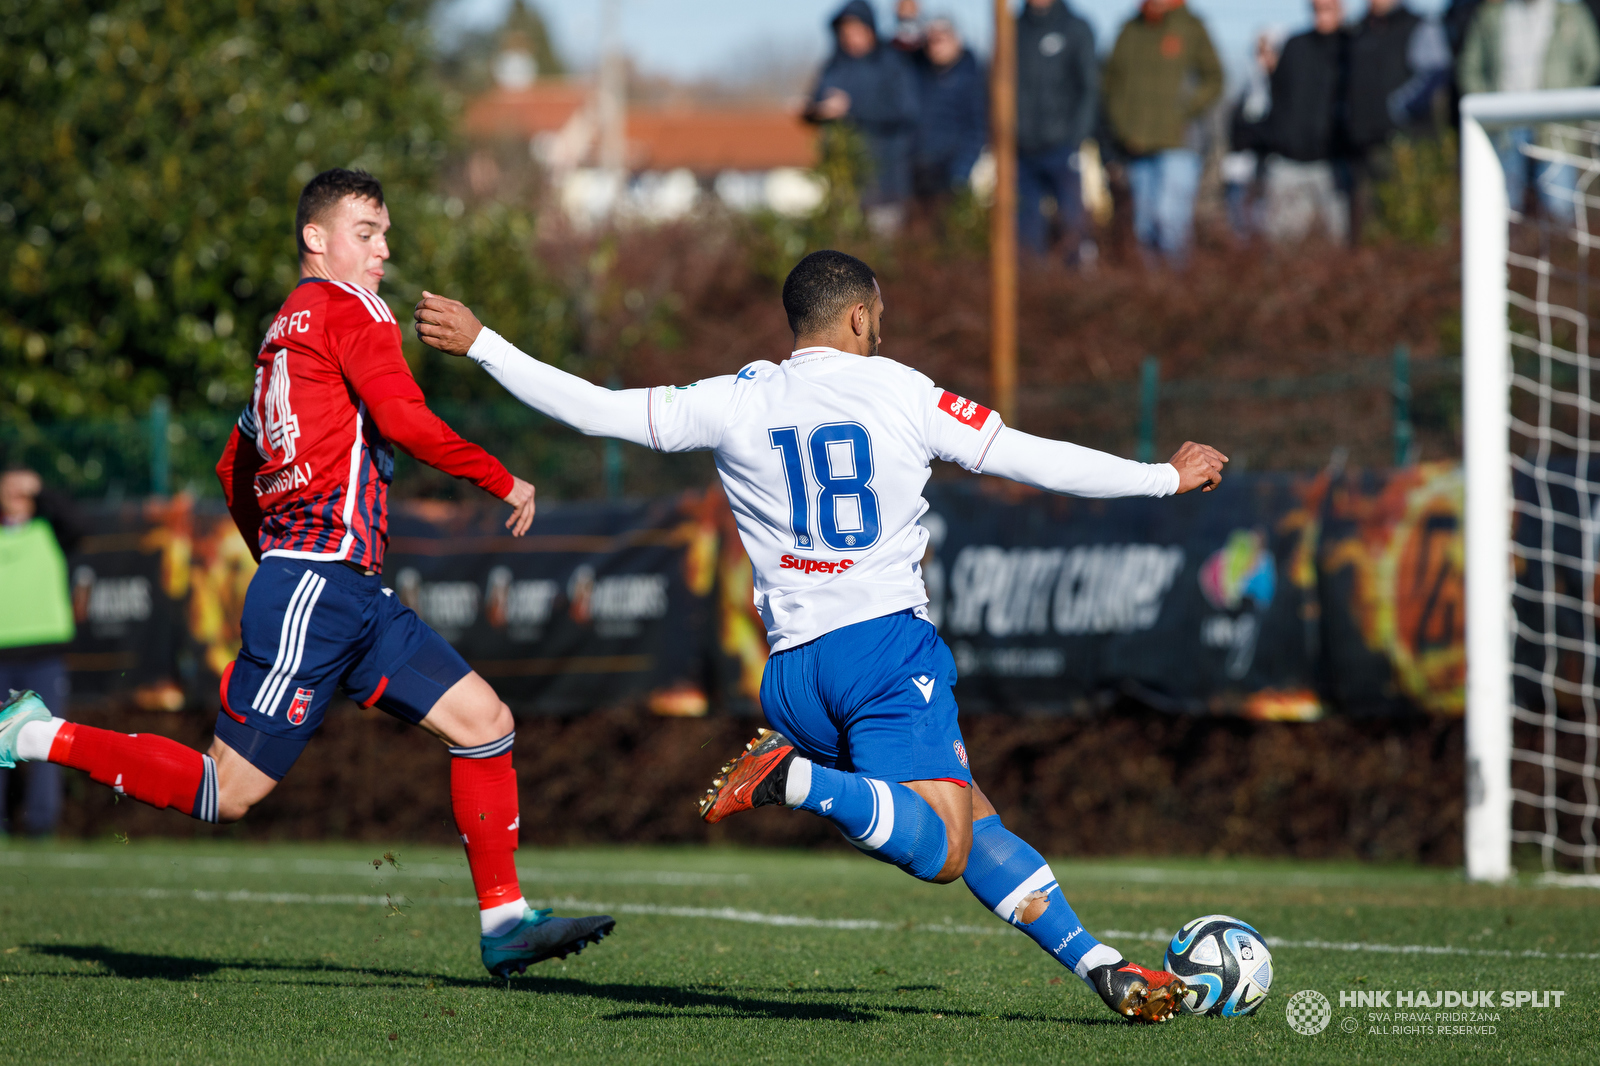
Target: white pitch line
{"points": [[1071, 873], [726, 914], [731, 914], [345, 868]]}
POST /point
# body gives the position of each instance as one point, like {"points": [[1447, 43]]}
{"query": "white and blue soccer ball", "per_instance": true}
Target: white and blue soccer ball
{"points": [[1225, 963]]}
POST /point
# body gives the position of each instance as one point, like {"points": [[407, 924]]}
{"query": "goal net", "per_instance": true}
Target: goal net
{"points": [[1531, 432]]}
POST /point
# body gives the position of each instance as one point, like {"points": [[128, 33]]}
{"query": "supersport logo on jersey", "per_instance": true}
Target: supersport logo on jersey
{"points": [[815, 566], [963, 410]]}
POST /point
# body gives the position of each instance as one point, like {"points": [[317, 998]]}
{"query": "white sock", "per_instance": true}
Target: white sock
{"points": [[35, 738], [500, 920], [1095, 957], [798, 787]]}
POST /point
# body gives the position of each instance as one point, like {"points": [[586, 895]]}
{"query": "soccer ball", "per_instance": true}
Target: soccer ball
{"points": [[1224, 962]]}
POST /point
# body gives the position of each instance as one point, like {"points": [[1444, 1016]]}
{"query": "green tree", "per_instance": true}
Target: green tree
{"points": [[155, 152]]}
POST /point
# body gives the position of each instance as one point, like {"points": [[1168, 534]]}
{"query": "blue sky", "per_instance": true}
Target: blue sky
{"points": [[698, 38]]}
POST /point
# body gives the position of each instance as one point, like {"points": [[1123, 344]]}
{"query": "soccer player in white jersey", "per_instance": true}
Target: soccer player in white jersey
{"points": [[824, 457]]}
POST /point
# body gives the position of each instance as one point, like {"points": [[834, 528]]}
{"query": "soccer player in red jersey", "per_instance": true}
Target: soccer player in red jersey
{"points": [[306, 474]]}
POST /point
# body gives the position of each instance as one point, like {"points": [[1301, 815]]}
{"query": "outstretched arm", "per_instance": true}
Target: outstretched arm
{"points": [[1057, 466], [588, 408], [965, 432], [664, 419]]}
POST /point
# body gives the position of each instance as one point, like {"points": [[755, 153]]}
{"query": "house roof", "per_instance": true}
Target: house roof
{"points": [[705, 140], [702, 139], [543, 107]]}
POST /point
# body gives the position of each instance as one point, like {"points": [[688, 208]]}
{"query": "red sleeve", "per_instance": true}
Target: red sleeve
{"points": [[237, 472], [373, 365]]}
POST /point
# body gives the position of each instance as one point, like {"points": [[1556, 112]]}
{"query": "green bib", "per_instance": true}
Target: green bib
{"points": [[35, 603]]}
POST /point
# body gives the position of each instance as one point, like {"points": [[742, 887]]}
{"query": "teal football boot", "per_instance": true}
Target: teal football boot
{"points": [[20, 709], [539, 936]]}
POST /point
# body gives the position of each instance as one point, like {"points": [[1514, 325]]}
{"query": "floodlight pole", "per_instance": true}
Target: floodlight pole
{"points": [[1003, 214]]}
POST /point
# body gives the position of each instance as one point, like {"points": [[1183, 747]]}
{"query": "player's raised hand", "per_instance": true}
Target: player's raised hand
{"points": [[1199, 467], [521, 500], [448, 325]]}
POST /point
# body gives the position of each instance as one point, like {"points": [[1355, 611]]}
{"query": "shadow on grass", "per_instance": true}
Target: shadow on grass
{"points": [[640, 1000]]}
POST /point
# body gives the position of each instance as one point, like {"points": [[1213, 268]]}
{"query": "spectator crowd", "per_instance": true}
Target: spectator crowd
{"points": [[1302, 146]]}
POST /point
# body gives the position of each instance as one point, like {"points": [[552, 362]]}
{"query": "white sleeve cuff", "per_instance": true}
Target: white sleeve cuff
{"points": [[489, 349]]}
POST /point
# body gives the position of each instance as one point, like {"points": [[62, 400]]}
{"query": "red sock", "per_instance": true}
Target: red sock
{"points": [[483, 794], [150, 768]]}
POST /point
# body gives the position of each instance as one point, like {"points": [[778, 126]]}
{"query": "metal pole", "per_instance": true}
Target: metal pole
{"points": [[613, 93], [1401, 389], [1003, 215], [1149, 397], [1486, 436], [160, 448]]}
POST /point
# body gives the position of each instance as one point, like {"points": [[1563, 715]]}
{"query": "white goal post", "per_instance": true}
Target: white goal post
{"points": [[1531, 642]]}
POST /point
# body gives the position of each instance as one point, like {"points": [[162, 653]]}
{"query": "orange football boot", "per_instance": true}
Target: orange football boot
{"points": [[755, 777]]}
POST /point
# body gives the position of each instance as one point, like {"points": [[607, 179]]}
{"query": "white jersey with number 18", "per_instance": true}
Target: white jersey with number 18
{"points": [[823, 457]]}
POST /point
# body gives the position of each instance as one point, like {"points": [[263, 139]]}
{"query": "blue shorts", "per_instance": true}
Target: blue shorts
{"points": [[312, 629], [872, 698]]}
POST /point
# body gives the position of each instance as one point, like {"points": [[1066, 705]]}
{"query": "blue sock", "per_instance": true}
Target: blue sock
{"points": [[883, 818], [1003, 871]]}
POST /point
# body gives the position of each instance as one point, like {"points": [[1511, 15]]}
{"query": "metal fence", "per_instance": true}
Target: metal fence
{"points": [[165, 452]]}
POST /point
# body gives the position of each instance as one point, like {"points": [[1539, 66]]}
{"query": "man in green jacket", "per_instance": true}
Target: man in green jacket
{"points": [[1162, 76], [38, 528], [1524, 46]]}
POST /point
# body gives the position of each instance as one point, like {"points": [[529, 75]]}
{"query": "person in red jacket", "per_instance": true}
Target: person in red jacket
{"points": [[306, 474]]}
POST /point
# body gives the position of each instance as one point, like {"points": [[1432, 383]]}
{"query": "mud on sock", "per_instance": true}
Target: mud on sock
{"points": [[1012, 879]]}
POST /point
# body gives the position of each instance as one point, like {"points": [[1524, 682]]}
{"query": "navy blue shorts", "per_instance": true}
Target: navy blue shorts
{"points": [[873, 698], [311, 629]]}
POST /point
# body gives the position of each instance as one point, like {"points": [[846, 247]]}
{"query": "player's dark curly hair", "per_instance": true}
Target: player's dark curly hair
{"points": [[326, 190], [822, 286]]}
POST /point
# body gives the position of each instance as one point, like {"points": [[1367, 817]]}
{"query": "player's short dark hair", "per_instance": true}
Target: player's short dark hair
{"points": [[822, 286], [327, 189]]}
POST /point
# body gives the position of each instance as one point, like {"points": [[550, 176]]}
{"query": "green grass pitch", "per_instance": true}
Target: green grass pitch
{"points": [[158, 951]]}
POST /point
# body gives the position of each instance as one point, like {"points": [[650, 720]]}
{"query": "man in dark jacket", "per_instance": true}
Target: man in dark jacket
{"points": [[1307, 180], [953, 112], [874, 88], [1398, 61], [38, 528], [1058, 88]]}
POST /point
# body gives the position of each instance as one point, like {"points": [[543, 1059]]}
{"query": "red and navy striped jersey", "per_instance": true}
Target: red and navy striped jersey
{"points": [[332, 390]]}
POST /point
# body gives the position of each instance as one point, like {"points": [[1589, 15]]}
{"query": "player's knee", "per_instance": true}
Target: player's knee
{"points": [[231, 808], [499, 720], [235, 798], [959, 846]]}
